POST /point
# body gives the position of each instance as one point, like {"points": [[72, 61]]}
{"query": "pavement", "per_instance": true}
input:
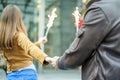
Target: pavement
{"points": [[49, 74], [52, 74], [2, 74]]}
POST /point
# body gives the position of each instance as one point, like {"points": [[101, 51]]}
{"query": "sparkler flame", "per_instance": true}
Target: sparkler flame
{"points": [[76, 15], [51, 20]]}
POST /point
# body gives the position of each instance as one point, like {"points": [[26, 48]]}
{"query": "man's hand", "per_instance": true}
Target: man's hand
{"points": [[55, 62]]}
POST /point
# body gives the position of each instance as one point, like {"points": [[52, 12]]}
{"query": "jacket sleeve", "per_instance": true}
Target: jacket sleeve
{"points": [[88, 38], [37, 44], [31, 48]]}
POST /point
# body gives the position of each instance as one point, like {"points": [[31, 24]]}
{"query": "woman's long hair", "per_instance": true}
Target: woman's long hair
{"points": [[11, 23]]}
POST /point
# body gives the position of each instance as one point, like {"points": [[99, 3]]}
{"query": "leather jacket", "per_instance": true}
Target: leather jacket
{"points": [[97, 44]]}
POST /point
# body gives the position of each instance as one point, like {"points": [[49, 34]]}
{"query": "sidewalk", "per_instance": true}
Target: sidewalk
{"points": [[59, 75], [2, 74], [51, 74]]}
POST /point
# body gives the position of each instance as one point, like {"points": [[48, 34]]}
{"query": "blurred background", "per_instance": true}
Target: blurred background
{"points": [[61, 34]]}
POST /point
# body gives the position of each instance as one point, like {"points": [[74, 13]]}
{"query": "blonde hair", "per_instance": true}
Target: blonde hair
{"points": [[11, 23]]}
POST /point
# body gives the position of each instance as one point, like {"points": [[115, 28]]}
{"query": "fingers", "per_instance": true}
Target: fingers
{"points": [[53, 61], [43, 40], [48, 59]]}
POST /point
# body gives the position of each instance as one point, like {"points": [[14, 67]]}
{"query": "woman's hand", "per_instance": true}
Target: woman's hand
{"points": [[53, 61], [43, 40]]}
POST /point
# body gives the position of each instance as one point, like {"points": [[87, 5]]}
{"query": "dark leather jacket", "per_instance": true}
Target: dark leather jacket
{"points": [[97, 44]]}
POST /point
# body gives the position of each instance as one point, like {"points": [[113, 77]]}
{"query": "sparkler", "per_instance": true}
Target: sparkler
{"points": [[51, 20], [76, 15]]}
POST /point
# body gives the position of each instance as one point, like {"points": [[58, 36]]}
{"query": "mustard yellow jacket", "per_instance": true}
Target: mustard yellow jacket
{"points": [[23, 53]]}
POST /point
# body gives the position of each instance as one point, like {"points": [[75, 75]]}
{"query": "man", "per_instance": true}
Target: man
{"points": [[97, 44]]}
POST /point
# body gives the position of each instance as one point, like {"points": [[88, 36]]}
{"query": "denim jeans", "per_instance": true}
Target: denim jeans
{"points": [[26, 74]]}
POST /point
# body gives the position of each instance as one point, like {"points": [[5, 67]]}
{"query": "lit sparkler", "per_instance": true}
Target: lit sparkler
{"points": [[76, 15], [51, 20]]}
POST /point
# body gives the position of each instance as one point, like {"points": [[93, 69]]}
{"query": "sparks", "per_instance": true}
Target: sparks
{"points": [[51, 20], [76, 15]]}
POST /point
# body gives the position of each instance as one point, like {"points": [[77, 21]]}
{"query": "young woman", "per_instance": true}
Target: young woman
{"points": [[16, 47]]}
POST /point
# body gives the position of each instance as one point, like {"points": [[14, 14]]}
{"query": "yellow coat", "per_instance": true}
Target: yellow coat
{"points": [[22, 53]]}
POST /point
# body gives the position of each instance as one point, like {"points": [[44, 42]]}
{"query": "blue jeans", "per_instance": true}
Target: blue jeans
{"points": [[26, 74]]}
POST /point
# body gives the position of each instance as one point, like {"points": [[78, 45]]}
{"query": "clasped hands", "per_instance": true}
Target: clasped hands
{"points": [[53, 61]]}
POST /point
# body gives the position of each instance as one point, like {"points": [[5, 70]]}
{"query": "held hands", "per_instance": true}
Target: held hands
{"points": [[53, 61], [43, 40]]}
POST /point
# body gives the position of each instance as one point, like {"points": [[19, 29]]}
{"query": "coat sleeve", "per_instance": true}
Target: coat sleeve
{"points": [[37, 44], [31, 48], [88, 38]]}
